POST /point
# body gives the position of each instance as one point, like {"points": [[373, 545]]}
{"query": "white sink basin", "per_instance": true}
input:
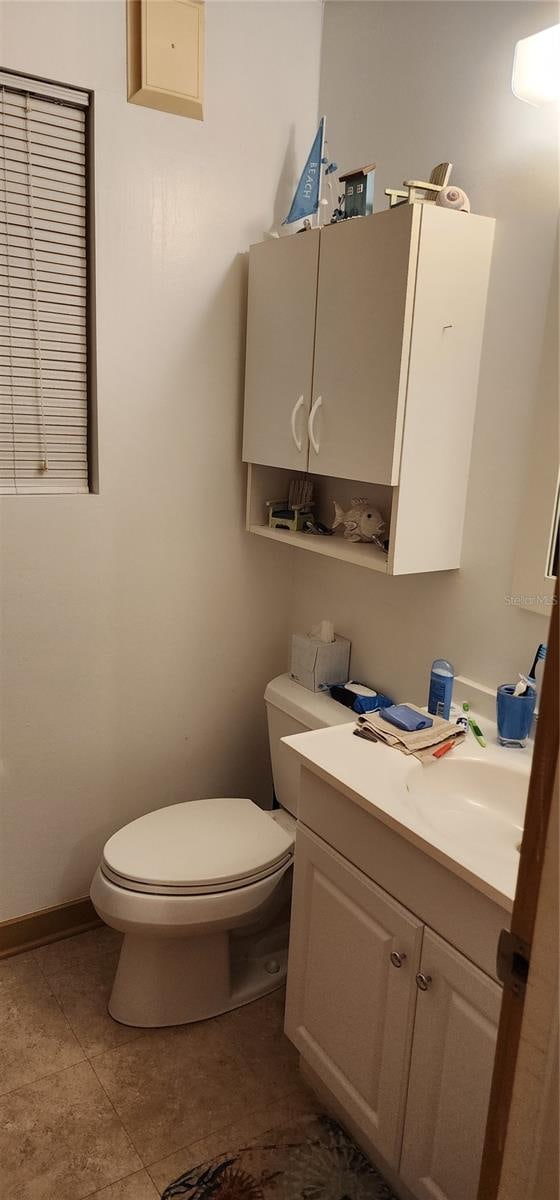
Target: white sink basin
{"points": [[473, 799], [466, 809]]}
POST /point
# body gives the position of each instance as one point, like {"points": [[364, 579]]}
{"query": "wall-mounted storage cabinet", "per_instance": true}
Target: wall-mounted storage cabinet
{"points": [[363, 352], [166, 55]]}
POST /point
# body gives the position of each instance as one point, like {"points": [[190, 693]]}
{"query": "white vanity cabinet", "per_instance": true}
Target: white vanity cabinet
{"points": [[396, 1023], [450, 1075], [350, 1011], [363, 350]]}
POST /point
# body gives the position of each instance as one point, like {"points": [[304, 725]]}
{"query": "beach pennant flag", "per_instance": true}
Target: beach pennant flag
{"points": [[306, 199]]}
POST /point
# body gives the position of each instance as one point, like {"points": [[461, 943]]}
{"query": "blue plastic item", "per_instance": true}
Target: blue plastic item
{"points": [[406, 718], [365, 704], [514, 714], [359, 704], [441, 688]]}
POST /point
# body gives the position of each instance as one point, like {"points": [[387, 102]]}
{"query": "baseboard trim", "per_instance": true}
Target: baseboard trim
{"points": [[47, 925]]}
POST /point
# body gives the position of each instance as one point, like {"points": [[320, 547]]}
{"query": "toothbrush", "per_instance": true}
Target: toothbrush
{"points": [[539, 657], [441, 750], [526, 681], [477, 731]]}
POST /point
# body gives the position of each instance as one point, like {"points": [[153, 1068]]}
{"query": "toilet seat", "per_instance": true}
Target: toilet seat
{"points": [[197, 848], [193, 889]]}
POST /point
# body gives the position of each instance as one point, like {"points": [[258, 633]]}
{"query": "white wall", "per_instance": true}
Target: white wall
{"points": [[407, 85], [139, 626]]}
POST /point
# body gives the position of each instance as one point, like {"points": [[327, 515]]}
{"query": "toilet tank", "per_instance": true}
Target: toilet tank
{"points": [[291, 708]]}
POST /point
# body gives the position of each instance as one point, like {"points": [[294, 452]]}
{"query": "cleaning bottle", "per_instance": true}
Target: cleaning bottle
{"points": [[441, 688]]}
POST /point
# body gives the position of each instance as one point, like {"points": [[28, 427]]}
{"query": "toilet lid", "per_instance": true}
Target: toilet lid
{"points": [[202, 844]]}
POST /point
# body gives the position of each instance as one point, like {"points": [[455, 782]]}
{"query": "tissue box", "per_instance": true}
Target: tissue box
{"points": [[316, 664]]}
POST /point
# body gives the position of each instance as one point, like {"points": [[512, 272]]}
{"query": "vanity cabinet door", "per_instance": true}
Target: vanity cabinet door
{"points": [[279, 359], [450, 1076], [349, 1010]]}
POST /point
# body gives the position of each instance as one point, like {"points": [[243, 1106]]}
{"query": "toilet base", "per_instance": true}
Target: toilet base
{"points": [[172, 981]]}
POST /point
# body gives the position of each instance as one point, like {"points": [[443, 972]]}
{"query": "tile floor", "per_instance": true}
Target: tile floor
{"points": [[90, 1108]]}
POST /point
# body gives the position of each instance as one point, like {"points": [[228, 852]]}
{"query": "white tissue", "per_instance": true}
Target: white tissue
{"points": [[359, 689], [324, 631]]}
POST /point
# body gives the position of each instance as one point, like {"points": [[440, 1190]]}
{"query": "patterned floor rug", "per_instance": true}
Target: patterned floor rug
{"points": [[312, 1159]]}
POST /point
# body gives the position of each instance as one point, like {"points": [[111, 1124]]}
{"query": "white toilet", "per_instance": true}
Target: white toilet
{"points": [[201, 890]]}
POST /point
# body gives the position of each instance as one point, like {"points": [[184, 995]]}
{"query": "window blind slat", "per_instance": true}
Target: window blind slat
{"points": [[26, 397], [71, 359], [22, 271], [17, 393], [55, 410], [67, 150], [17, 224], [43, 217], [44, 109], [60, 437], [18, 304], [63, 263], [46, 281], [16, 182], [17, 368], [63, 439], [68, 456], [59, 426], [43, 281], [71, 338], [15, 124], [58, 273], [64, 205], [17, 161], [40, 128], [17, 189], [72, 375], [44, 178], [24, 347], [31, 488], [20, 239], [48, 328]]}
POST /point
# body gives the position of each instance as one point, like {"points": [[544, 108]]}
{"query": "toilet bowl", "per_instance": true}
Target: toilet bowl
{"points": [[201, 890]]}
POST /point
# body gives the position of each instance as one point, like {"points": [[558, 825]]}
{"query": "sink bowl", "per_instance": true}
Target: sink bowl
{"points": [[474, 800]]}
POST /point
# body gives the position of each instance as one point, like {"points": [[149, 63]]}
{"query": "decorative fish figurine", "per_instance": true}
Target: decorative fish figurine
{"points": [[362, 522]]}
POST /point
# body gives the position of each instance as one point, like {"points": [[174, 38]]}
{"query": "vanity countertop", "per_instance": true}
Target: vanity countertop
{"points": [[436, 805]]}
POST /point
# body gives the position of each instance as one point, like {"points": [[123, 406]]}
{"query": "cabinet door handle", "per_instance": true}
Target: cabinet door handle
{"points": [[423, 981], [398, 959], [310, 424], [297, 440]]}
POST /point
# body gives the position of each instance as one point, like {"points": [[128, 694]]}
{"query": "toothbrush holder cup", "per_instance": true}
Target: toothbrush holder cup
{"points": [[514, 715]]}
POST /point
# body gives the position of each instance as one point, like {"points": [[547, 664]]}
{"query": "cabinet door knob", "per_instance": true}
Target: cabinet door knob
{"points": [[397, 959], [423, 981], [297, 440]]}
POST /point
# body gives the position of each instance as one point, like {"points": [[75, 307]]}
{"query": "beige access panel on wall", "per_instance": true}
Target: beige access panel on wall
{"points": [[166, 55]]}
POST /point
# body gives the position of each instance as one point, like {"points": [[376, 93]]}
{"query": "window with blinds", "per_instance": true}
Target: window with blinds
{"points": [[43, 288]]}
